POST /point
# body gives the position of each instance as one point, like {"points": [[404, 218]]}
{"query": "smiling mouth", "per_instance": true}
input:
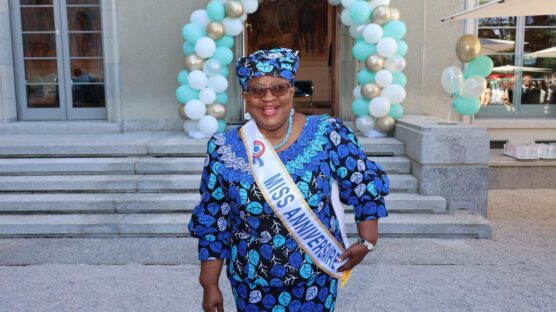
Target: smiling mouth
{"points": [[269, 111]]}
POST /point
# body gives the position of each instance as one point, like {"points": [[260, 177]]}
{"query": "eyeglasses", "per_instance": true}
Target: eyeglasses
{"points": [[259, 91]]}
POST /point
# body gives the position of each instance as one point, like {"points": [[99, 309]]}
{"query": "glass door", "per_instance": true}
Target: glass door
{"points": [[59, 59]]}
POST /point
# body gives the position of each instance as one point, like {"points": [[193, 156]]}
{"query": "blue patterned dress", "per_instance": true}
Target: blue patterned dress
{"points": [[267, 269]]}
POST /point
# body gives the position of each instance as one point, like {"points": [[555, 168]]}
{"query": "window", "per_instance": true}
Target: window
{"points": [[59, 59], [523, 65]]}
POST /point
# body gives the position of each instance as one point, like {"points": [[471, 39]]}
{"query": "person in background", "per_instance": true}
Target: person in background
{"points": [[487, 95], [544, 92]]}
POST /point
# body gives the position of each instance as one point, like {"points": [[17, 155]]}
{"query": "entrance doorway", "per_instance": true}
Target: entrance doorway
{"points": [[307, 26], [59, 59]]}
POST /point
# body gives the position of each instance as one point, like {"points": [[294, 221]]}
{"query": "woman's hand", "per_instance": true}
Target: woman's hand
{"points": [[212, 299], [354, 255]]}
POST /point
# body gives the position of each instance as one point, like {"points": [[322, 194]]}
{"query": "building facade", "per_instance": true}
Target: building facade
{"points": [[116, 61]]}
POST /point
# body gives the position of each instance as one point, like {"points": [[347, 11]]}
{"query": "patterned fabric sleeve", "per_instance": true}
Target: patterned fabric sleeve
{"points": [[362, 183], [209, 221]]}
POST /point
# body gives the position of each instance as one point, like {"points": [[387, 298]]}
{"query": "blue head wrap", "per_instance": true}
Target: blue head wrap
{"points": [[277, 62]]}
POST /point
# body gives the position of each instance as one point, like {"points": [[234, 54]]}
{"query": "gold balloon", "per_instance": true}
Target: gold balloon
{"points": [[467, 48], [374, 62], [234, 9], [385, 124], [381, 15], [215, 30], [216, 110], [193, 62], [370, 91], [181, 111], [394, 14]]}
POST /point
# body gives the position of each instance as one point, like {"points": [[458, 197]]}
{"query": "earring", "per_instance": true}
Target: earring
{"points": [[247, 116], [292, 111]]}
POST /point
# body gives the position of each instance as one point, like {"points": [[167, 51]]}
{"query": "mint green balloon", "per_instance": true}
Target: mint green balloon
{"points": [[193, 32], [466, 106], [224, 55], [222, 98], [188, 48], [479, 66], [216, 11], [394, 29], [185, 93], [396, 111], [225, 41], [362, 50], [221, 126], [365, 76], [360, 11], [224, 71], [402, 48], [182, 77], [360, 107], [399, 78]]}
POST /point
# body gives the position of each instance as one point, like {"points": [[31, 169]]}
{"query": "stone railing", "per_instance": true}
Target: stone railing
{"points": [[448, 159]]}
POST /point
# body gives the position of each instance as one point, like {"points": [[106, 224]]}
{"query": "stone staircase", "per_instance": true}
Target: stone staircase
{"points": [[146, 185]]}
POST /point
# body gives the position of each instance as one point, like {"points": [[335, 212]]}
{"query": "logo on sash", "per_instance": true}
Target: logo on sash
{"points": [[258, 151]]}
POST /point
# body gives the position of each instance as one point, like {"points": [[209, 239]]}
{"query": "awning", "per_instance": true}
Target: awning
{"points": [[548, 53], [491, 46], [510, 69], [501, 8]]}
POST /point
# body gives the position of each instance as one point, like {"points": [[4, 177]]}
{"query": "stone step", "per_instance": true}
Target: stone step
{"points": [[175, 225], [140, 183], [60, 127], [167, 203], [139, 144], [139, 165]]}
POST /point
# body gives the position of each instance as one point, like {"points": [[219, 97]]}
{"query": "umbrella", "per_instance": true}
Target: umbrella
{"points": [[502, 8], [511, 69], [491, 46], [550, 52]]}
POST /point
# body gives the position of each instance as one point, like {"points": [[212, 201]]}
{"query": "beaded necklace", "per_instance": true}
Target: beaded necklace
{"points": [[290, 120]]}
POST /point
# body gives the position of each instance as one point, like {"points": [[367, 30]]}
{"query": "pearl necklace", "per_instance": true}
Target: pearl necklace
{"points": [[290, 120]]}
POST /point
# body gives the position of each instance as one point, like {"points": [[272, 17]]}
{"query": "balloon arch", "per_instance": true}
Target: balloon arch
{"points": [[378, 48]]}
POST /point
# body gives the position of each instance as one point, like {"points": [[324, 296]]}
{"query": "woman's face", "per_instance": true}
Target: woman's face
{"points": [[271, 111]]}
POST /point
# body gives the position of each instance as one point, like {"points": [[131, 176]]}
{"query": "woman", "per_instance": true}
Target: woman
{"points": [[275, 259]]}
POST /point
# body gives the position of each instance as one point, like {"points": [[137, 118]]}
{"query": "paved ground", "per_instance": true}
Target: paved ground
{"points": [[514, 271]]}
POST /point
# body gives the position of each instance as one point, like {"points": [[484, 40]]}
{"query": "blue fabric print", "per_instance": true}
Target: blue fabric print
{"points": [[232, 221]]}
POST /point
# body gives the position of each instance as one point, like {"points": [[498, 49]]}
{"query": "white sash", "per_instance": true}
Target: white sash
{"points": [[282, 195]]}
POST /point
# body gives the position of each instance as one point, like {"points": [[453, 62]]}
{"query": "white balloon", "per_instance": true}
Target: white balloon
{"points": [[232, 26], [347, 3], [208, 125], [364, 123], [451, 79], [387, 47], [218, 83], [357, 92], [334, 2], [250, 6], [473, 86], [372, 33], [384, 78], [197, 80], [243, 17], [200, 17], [212, 67], [376, 3], [346, 19], [195, 109], [379, 106], [355, 31], [208, 96], [205, 47], [395, 63], [394, 93]]}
